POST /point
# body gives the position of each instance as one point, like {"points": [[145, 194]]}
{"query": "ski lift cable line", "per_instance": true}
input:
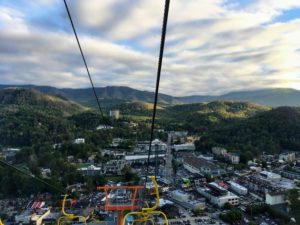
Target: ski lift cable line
{"points": [[160, 60], [84, 60], [32, 176]]}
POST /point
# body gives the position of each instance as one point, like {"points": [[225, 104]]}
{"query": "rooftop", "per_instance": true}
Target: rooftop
{"points": [[198, 163]]}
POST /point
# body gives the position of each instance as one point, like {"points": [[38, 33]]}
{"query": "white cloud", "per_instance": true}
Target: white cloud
{"points": [[212, 47]]}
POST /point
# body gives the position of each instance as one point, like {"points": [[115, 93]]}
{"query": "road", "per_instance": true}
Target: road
{"points": [[169, 157]]}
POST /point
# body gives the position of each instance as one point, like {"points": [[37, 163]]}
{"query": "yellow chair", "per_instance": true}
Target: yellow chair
{"points": [[1, 223], [67, 217], [146, 213]]}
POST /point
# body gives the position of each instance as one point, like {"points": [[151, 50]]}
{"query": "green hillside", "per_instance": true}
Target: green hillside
{"points": [[270, 131], [111, 96], [14, 99], [198, 117]]}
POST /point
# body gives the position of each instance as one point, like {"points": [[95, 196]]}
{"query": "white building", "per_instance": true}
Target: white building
{"points": [[104, 127], [218, 151], [287, 157], [234, 159], [184, 147], [79, 141], [237, 188], [155, 144], [186, 200], [270, 175], [275, 198], [218, 195], [90, 170], [114, 114], [142, 158], [180, 196]]}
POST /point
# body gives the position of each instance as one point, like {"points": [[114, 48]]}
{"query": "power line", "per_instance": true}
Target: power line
{"points": [[83, 58], [32, 176], [161, 53]]}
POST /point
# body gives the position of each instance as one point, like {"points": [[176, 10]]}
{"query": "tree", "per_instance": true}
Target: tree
{"points": [[174, 166], [293, 198], [233, 216]]}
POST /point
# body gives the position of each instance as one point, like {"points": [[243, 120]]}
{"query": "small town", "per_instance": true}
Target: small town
{"points": [[194, 188]]}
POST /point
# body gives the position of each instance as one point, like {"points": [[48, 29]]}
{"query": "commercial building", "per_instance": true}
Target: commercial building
{"points": [[202, 166], [142, 158], [275, 198], [270, 175], [186, 200], [184, 147], [217, 195], [143, 146], [290, 174], [237, 188]]}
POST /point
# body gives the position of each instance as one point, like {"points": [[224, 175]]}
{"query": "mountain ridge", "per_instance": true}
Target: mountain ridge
{"points": [[114, 95], [19, 98]]}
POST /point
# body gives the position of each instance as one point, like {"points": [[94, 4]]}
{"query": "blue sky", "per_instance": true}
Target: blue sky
{"points": [[213, 46]]}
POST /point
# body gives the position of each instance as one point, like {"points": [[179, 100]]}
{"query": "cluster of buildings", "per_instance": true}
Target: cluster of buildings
{"points": [[234, 158]]}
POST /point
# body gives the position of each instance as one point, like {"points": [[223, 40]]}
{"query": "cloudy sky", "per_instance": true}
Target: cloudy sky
{"points": [[212, 46]]}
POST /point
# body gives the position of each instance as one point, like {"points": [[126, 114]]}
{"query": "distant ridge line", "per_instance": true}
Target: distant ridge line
{"points": [[119, 94]]}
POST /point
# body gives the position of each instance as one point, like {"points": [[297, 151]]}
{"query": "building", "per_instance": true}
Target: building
{"points": [[234, 158], [186, 200], [46, 172], [184, 147], [217, 195], [275, 198], [192, 139], [237, 188], [10, 153], [79, 141], [156, 144], [180, 196], [287, 157], [218, 151], [114, 114], [270, 175], [178, 136], [90, 170], [104, 127], [23, 218], [202, 167], [143, 158], [114, 167], [293, 173], [116, 142]]}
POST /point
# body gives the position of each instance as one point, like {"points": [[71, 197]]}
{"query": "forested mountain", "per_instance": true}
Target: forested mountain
{"points": [[114, 95], [108, 96], [271, 131], [270, 97], [29, 117], [198, 117], [20, 98]]}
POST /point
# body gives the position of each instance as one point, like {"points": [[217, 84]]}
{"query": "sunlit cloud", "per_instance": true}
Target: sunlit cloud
{"points": [[212, 46]]}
